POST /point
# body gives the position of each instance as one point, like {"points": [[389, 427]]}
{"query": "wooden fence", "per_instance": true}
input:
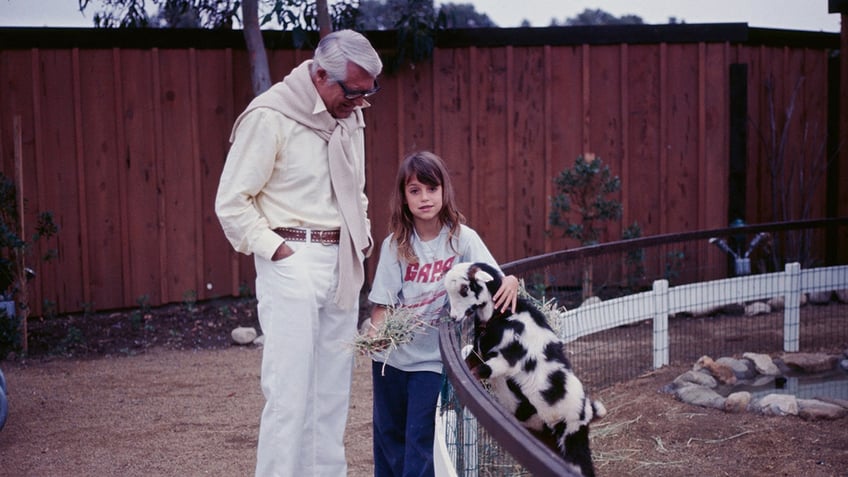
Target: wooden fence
{"points": [[123, 136]]}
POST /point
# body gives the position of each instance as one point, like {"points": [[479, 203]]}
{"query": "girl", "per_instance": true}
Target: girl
{"points": [[427, 237]]}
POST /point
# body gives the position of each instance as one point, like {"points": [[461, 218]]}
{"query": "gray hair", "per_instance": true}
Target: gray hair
{"points": [[335, 50]]}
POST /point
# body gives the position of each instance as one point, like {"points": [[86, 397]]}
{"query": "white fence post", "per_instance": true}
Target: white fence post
{"points": [[660, 323], [792, 307]]}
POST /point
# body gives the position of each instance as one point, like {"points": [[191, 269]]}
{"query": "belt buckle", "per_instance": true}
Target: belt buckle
{"points": [[324, 241]]}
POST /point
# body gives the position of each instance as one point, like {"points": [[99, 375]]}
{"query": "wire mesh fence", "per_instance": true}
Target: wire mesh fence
{"points": [[617, 342]]}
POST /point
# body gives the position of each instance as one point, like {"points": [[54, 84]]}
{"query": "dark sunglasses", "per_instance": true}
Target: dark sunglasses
{"points": [[351, 94]]}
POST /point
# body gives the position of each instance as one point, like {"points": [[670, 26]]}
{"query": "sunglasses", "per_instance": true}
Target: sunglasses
{"points": [[351, 94]]}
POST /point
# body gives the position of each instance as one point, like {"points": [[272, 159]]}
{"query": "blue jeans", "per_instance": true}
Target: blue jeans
{"points": [[404, 421]]}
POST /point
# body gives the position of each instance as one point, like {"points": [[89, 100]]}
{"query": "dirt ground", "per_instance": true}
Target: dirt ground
{"points": [[162, 392]]}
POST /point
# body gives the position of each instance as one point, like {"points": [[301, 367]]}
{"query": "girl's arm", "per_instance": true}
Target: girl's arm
{"points": [[507, 294]]}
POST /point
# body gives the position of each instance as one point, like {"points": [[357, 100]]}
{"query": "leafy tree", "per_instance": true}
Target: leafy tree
{"points": [[584, 191], [296, 15], [463, 15], [598, 17]]}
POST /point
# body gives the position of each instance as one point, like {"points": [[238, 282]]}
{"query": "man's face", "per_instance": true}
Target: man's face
{"points": [[333, 94]]}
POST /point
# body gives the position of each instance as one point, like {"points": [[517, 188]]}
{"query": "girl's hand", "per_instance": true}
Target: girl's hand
{"points": [[507, 295]]}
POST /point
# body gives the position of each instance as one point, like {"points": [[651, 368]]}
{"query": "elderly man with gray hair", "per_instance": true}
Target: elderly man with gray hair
{"points": [[292, 195]]}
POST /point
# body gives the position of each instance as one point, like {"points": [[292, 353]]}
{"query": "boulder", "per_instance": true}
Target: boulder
{"points": [[757, 308], [763, 363], [737, 402], [700, 396], [244, 335], [813, 409], [810, 362], [723, 373], [777, 405]]}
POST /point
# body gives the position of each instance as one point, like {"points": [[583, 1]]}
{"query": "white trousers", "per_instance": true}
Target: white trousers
{"points": [[307, 364]]}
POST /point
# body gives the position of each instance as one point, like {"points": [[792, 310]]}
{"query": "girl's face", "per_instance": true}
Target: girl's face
{"points": [[424, 201]]}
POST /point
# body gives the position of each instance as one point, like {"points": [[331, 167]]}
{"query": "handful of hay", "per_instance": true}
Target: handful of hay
{"points": [[398, 327], [549, 308]]}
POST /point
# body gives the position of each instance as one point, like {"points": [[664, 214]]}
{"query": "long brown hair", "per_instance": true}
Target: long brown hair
{"points": [[430, 170]]}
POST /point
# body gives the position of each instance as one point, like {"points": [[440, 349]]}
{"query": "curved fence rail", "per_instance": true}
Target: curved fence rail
{"points": [[639, 304]]}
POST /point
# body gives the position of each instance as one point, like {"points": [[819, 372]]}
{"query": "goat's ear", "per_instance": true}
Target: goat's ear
{"points": [[478, 274]]}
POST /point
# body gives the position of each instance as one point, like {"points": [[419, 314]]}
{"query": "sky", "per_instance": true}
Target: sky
{"points": [[807, 15]]}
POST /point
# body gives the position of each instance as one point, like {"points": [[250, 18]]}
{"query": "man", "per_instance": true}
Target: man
{"points": [[292, 194]]}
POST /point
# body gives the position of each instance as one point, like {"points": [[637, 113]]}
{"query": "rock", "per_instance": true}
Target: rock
{"points": [[700, 396], [737, 402], [763, 363], [777, 303], [260, 340], [757, 308], [590, 301], [734, 309], [820, 298], [810, 362], [844, 364], [723, 373], [836, 401], [761, 381], [777, 405], [696, 378], [742, 368], [243, 335], [706, 311], [812, 409]]}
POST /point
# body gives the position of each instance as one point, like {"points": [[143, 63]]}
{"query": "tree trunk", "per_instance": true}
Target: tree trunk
{"points": [[324, 25], [260, 74]]}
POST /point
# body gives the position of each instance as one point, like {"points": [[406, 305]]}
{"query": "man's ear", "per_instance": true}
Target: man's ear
{"points": [[321, 75]]}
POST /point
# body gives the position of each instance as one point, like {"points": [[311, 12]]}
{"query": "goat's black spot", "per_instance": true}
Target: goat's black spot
{"points": [[530, 365], [513, 352], [556, 387], [516, 326], [524, 410], [553, 352]]}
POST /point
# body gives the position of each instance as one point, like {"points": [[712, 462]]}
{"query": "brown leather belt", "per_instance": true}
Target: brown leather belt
{"points": [[324, 237]]}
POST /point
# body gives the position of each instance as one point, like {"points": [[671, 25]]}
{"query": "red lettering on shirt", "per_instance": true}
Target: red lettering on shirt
{"points": [[428, 272], [424, 273], [411, 272]]}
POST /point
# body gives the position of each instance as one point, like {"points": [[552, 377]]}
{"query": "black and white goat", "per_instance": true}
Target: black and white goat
{"points": [[524, 361]]}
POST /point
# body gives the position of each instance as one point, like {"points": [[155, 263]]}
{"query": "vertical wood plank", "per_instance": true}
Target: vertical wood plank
{"points": [[159, 167], [123, 202], [491, 76], [510, 253], [213, 118], [529, 172], [199, 282], [547, 169], [100, 168], [82, 200], [567, 119], [178, 172], [139, 121], [57, 181]]}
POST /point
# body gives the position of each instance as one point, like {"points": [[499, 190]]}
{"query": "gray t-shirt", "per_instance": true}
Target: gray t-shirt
{"points": [[419, 285]]}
